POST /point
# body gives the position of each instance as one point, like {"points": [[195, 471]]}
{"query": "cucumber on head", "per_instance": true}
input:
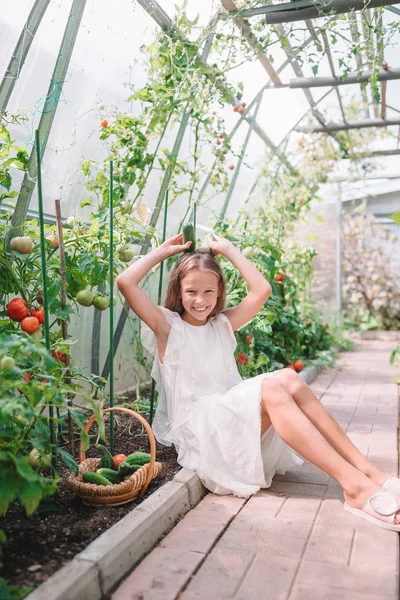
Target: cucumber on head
{"points": [[189, 235]]}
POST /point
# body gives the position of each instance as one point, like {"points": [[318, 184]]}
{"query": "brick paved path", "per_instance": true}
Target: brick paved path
{"points": [[293, 541]]}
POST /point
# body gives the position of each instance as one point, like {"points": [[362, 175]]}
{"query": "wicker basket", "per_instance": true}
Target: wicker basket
{"points": [[118, 493]]}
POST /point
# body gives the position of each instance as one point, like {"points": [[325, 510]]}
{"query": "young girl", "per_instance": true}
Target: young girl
{"points": [[236, 434]]}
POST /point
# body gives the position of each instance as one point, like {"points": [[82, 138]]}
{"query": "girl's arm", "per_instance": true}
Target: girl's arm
{"points": [[260, 289], [128, 284]]}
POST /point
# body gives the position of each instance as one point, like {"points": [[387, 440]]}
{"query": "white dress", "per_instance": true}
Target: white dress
{"points": [[210, 414]]}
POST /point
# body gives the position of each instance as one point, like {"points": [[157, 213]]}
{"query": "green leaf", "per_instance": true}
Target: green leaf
{"points": [[68, 460], [395, 217], [85, 202], [8, 490], [30, 494]]}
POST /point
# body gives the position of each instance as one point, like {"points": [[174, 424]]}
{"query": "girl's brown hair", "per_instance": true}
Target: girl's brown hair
{"points": [[199, 259]]}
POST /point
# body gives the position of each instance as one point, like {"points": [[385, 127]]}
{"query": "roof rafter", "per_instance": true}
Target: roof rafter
{"points": [[300, 10], [349, 125]]}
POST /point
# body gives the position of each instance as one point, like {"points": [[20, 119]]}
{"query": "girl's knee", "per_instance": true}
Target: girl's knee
{"points": [[272, 392], [290, 380]]}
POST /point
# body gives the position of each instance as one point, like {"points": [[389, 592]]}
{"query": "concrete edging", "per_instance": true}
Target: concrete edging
{"points": [[97, 569]]}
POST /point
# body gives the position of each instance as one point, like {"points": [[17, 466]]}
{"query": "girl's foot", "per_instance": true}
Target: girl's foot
{"points": [[372, 502]]}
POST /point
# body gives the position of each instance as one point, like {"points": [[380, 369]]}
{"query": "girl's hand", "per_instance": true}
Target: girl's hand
{"points": [[174, 245], [219, 245]]}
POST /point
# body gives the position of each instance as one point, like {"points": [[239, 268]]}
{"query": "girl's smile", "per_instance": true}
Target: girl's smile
{"points": [[199, 295]]}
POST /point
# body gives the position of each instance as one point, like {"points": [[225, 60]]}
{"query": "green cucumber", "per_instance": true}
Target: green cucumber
{"points": [[110, 474], [125, 469], [138, 458], [189, 235], [107, 461], [95, 478]]}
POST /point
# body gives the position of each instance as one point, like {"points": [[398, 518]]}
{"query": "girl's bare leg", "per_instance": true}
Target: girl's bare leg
{"points": [[294, 427], [326, 424]]}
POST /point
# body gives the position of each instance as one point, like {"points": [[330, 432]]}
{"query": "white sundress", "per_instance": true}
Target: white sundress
{"points": [[210, 414]]}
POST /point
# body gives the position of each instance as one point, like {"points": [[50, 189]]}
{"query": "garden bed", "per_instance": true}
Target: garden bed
{"points": [[39, 545]]}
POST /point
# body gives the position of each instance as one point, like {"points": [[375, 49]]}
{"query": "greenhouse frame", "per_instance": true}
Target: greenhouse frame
{"points": [[269, 130]]}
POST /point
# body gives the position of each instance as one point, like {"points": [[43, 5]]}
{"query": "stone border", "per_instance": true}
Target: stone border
{"points": [[96, 570]]}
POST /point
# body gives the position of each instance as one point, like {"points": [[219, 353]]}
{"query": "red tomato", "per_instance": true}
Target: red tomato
{"points": [[17, 309], [244, 104], [241, 111], [118, 459], [30, 324], [27, 377], [104, 123], [221, 136], [39, 314], [242, 358], [59, 356], [218, 142], [280, 277], [231, 167], [249, 339], [298, 365], [325, 325], [235, 109]]}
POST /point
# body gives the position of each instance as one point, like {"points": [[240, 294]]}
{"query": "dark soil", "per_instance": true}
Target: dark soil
{"points": [[39, 545]]}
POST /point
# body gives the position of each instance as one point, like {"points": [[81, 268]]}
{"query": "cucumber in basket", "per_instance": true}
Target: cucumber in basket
{"points": [[138, 458], [110, 474], [95, 478], [107, 461], [125, 469]]}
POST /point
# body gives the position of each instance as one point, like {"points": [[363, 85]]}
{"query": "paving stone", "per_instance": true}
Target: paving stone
{"points": [[220, 575], [203, 525], [268, 577], [161, 575], [363, 579], [293, 488], [303, 592], [276, 537]]}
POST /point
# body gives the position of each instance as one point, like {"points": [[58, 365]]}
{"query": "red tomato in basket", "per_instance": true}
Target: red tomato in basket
{"points": [[118, 459]]}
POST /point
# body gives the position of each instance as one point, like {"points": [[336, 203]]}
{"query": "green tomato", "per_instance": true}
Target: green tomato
{"points": [[101, 303], [39, 461], [7, 363], [248, 252], [126, 255], [96, 293], [125, 208], [85, 297], [114, 300]]}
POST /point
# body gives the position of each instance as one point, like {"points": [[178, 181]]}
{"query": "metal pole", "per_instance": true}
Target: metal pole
{"points": [[349, 125], [44, 273], [160, 282], [47, 118], [111, 308], [339, 256], [301, 10], [352, 78], [21, 51]]}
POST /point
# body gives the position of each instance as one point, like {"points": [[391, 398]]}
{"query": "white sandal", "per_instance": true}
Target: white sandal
{"points": [[392, 485], [380, 510]]}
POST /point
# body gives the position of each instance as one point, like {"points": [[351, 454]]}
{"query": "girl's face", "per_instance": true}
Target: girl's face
{"points": [[199, 295]]}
